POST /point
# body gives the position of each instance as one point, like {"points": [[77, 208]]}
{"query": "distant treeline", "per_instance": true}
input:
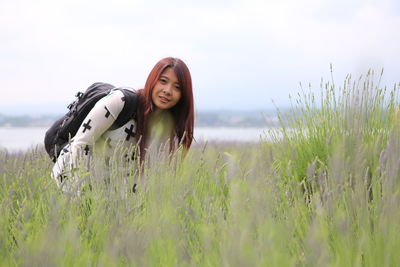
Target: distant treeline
{"points": [[236, 118], [203, 119]]}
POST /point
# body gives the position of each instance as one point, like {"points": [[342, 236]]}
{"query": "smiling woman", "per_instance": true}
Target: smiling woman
{"points": [[168, 88], [163, 115], [167, 91]]}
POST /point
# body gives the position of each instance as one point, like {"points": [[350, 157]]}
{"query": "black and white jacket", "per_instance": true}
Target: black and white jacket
{"points": [[95, 137]]}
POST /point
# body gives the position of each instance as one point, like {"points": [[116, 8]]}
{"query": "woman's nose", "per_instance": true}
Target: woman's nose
{"points": [[167, 89]]}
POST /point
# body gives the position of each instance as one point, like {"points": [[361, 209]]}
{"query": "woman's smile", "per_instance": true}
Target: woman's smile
{"points": [[164, 99], [167, 92]]}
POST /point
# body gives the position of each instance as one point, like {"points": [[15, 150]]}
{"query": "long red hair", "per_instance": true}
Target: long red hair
{"points": [[182, 112]]}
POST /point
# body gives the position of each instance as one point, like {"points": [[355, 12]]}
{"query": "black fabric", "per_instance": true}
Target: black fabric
{"points": [[130, 107], [62, 130]]}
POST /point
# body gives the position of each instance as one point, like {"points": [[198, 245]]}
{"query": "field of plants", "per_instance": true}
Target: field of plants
{"points": [[322, 190]]}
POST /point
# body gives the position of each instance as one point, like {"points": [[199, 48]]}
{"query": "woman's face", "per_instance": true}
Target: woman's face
{"points": [[167, 91]]}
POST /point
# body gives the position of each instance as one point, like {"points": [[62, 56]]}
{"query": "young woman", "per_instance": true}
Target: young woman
{"points": [[164, 115]]}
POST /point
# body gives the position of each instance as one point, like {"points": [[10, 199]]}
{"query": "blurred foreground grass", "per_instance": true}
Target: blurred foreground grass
{"points": [[324, 192]]}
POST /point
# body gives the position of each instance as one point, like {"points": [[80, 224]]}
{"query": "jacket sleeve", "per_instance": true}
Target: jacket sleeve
{"points": [[98, 121]]}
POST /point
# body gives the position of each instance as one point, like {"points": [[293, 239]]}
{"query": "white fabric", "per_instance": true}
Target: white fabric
{"points": [[94, 137]]}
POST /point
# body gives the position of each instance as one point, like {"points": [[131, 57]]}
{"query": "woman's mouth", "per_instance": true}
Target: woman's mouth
{"points": [[164, 99]]}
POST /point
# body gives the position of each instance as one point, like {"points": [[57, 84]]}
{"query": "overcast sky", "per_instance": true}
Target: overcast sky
{"points": [[242, 54]]}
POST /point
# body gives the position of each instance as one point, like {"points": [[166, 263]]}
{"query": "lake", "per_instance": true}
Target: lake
{"points": [[22, 138]]}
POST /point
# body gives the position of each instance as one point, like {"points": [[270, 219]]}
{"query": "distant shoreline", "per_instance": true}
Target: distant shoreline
{"points": [[233, 119], [22, 138]]}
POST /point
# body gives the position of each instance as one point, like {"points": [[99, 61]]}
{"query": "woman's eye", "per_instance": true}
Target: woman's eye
{"points": [[163, 81]]}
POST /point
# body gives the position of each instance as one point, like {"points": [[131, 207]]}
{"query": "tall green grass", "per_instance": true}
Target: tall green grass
{"points": [[324, 192]]}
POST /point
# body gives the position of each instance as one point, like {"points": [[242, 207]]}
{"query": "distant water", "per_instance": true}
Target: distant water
{"points": [[22, 138]]}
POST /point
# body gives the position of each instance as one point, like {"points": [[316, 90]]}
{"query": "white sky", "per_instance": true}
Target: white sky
{"points": [[241, 53]]}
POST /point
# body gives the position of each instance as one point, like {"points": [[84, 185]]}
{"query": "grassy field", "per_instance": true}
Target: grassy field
{"points": [[324, 192]]}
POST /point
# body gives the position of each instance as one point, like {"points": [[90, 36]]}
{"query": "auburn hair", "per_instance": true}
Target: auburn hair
{"points": [[182, 113]]}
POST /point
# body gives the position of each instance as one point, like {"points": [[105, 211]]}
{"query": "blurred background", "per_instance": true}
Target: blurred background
{"points": [[245, 56], [241, 53]]}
